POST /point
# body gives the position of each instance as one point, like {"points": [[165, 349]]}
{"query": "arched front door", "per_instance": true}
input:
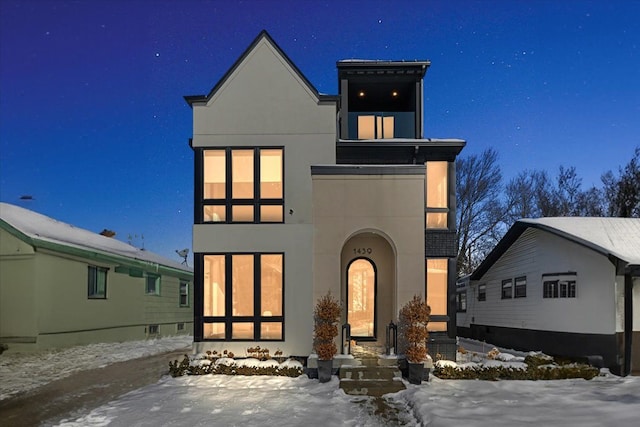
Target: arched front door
{"points": [[368, 286], [361, 298]]}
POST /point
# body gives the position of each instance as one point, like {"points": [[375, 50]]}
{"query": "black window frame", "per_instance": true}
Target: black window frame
{"points": [[559, 285], [520, 287], [92, 282], [482, 292], [506, 290], [228, 319], [228, 202]]}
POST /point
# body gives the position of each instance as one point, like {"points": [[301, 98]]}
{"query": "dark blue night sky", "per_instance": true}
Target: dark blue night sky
{"points": [[93, 124]]}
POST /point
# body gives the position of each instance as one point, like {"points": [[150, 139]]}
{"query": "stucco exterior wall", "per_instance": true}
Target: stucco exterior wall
{"points": [[387, 205], [264, 102], [262, 82]]}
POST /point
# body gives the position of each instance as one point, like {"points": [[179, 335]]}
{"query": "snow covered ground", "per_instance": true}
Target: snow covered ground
{"points": [[218, 400], [24, 371]]}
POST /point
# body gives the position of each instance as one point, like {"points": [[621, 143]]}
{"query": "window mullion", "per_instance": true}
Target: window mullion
{"points": [[256, 185], [228, 289], [228, 185], [257, 309]]}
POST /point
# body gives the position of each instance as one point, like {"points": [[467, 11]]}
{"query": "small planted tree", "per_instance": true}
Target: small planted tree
{"points": [[414, 317], [326, 316]]}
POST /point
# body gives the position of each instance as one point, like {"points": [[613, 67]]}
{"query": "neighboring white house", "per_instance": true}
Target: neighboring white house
{"points": [[61, 286], [299, 193], [566, 286]]}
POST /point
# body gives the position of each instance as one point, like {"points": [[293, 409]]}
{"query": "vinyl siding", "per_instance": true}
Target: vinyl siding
{"points": [[532, 255]]}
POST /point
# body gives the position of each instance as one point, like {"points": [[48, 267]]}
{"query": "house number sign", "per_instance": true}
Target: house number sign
{"points": [[362, 251]]}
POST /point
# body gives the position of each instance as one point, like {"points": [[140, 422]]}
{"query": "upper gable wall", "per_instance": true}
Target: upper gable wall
{"points": [[262, 96]]}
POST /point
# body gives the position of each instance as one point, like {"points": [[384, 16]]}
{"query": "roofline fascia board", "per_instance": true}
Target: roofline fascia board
{"points": [[147, 266], [203, 99], [91, 254], [519, 227]]}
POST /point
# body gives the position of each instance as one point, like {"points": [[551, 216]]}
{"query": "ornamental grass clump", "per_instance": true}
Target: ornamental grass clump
{"points": [[326, 316], [414, 317]]}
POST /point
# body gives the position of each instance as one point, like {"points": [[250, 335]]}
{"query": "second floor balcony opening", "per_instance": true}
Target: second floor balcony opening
{"points": [[381, 110]]}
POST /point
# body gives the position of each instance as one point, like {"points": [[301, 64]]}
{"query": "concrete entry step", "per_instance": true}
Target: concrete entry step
{"points": [[376, 388], [370, 380], [369, 372]]}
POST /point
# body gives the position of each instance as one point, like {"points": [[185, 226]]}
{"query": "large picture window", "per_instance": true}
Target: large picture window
{"points": [[437, 194], [243, 297], [243, 185]]}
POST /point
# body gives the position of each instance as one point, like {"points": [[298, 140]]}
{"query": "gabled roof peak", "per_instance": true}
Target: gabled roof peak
{"points": [[263, 35]]}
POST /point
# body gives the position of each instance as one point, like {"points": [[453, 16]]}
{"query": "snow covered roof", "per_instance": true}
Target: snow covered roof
{"points": [[616, 238], [40, 230]]}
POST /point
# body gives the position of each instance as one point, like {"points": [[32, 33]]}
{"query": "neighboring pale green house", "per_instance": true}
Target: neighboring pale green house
{"points": [[62, 286]]}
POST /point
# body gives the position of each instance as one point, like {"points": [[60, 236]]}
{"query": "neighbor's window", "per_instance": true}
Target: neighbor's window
{"points": [[482, 292], [437, 279], [243, 185], [437, 194], [507, 289], [520, 287], [152, 284], [461, 301], [97, 283], [559, 285], [243, 297], [184, 294]]}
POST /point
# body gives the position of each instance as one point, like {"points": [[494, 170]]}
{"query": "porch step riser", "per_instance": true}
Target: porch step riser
{"points": [[376, 388], [369, 373]]}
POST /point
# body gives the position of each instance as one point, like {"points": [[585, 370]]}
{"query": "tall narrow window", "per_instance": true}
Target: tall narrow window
{"points": [[520, 287], [97, 283], [437, 194], [184, 294], [482, 292], [242, 288], [214, 285], [507, 289], [214, 174], [437, 284], [461, 301], [361, 288], [242, 174]]}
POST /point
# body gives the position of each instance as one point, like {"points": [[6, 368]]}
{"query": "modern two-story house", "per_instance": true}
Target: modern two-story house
{"points": [[298, 193]]}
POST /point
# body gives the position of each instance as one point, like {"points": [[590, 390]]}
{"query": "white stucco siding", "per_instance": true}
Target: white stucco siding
{"points": [[392, 205], [295, 241], [536, 253], [263, 95]]}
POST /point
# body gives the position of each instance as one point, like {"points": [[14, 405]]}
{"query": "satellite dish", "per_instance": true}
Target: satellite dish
{"points": [[183, 254]]}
